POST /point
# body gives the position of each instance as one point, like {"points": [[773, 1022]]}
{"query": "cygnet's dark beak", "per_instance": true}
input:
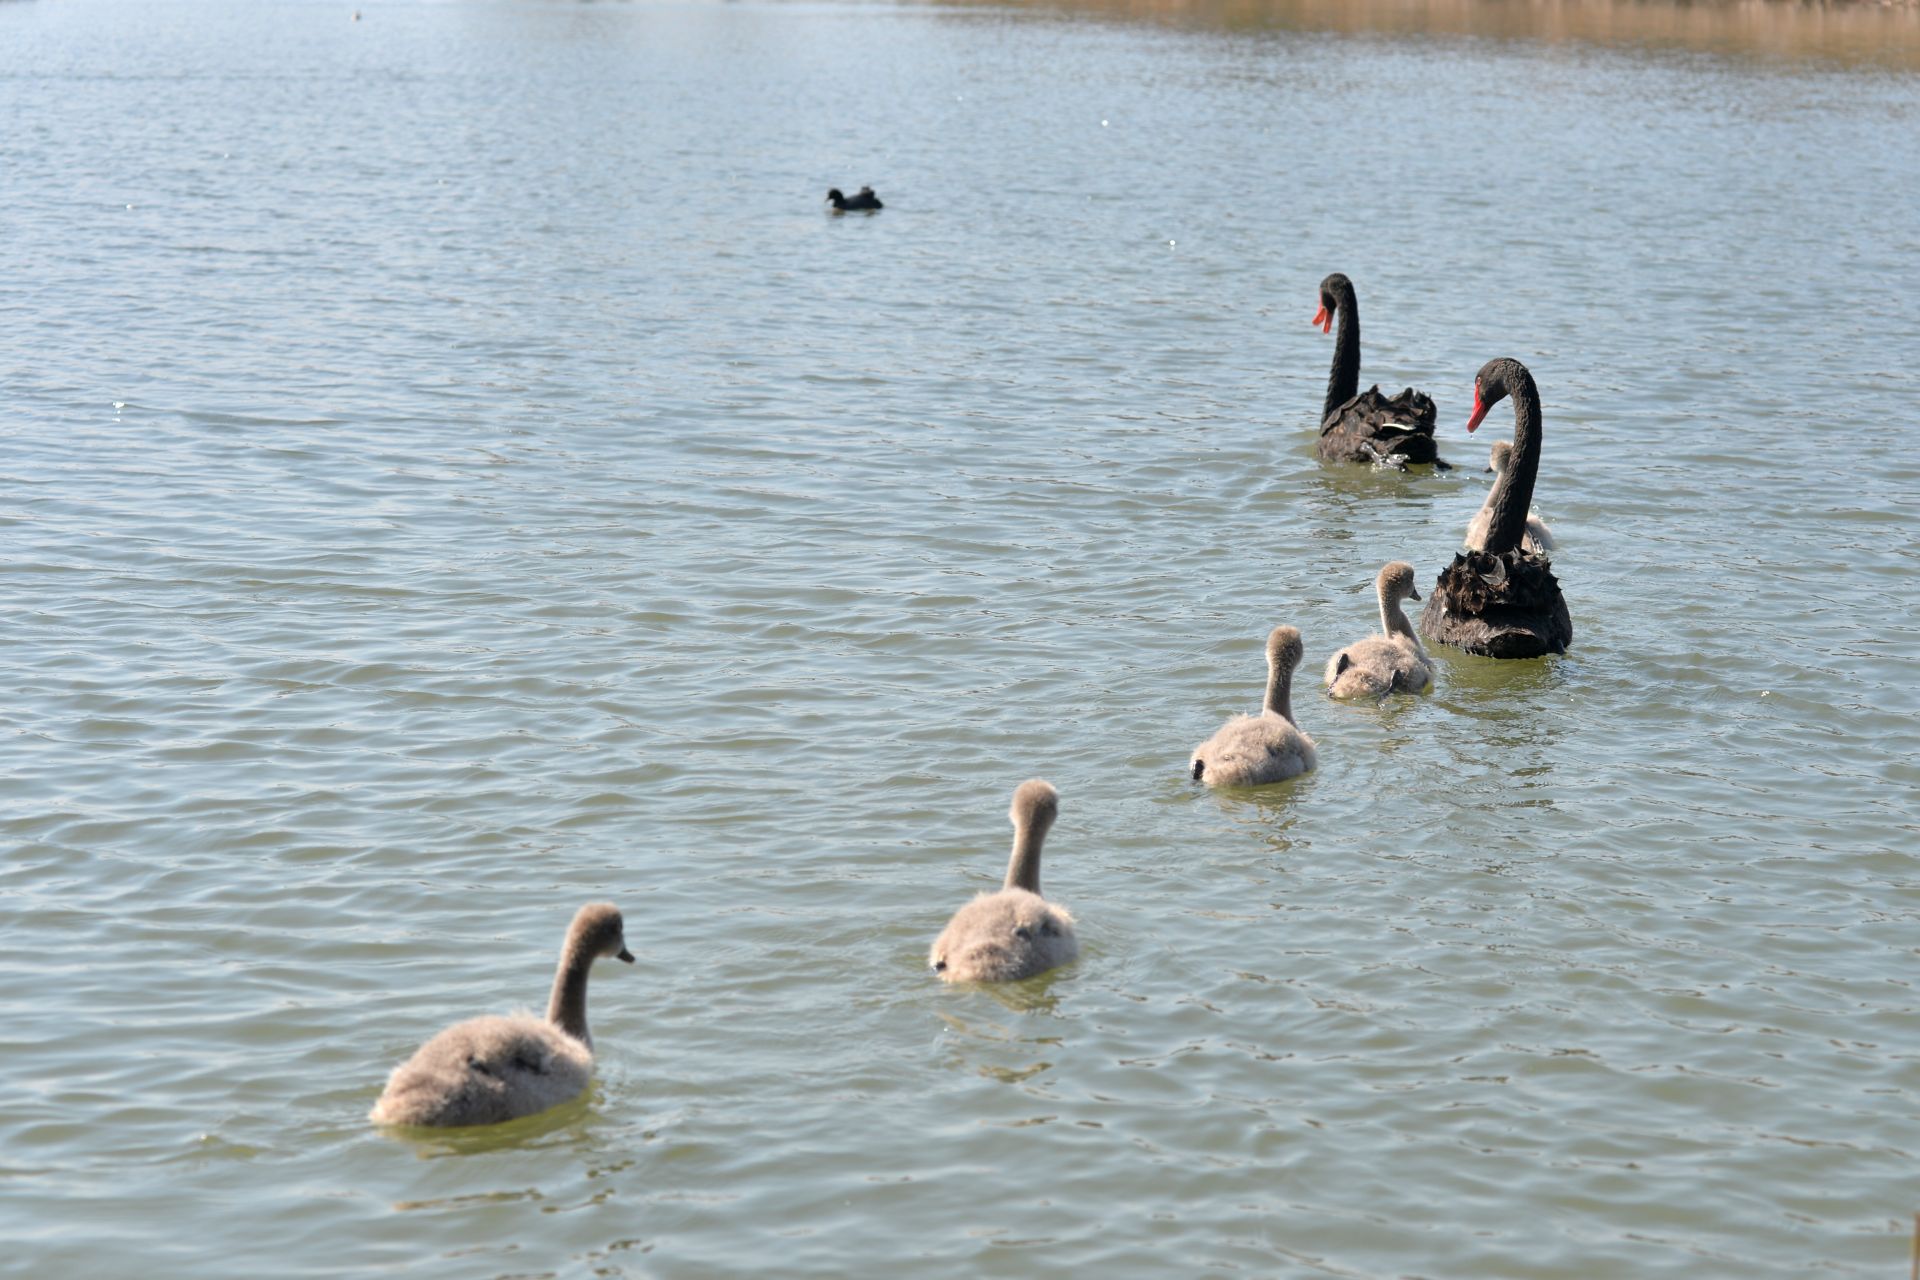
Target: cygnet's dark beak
{"points": [[626, 955], [1413, 593]]}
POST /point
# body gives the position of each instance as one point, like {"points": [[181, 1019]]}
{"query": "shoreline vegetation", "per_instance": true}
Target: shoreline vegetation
{"points": [[1876, 33]]}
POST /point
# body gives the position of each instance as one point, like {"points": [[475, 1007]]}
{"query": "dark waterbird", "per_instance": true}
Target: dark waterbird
{"points": [[863, 199], [1367, 427], [1502, 601]]}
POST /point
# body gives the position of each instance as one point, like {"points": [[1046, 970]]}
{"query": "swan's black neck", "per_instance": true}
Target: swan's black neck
{"points": [[1343, 384], [1513, 492]]}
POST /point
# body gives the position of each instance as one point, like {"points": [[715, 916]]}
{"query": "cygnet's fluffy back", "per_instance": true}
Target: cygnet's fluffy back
{"points": [[486, 1071], [1003, 937]]}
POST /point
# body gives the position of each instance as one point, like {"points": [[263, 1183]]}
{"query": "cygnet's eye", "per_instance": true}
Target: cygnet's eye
{"points": [[1021, 931]]}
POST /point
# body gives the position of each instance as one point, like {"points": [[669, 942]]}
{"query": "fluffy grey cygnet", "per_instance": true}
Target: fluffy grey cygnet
{"points": [[1392, 662], [1250, 750], [1538, 538], [1015, 933], [487, 1070]]}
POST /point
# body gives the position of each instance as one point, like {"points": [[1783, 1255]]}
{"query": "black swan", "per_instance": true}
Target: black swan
{"points": [[1502, 601], [1366, 427], [865, 199]]}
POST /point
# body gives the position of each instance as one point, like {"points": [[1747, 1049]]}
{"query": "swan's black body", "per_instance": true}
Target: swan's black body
{"points": [[1499, 606], [1366, 427], [863, 199], [1503, 602]]}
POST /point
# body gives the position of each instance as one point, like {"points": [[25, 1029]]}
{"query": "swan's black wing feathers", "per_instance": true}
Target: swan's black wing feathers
{"points": [[1502, 606], [1371, 424]]}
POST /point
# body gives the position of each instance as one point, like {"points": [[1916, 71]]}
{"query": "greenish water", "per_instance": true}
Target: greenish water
{"points": [[455, 470]]}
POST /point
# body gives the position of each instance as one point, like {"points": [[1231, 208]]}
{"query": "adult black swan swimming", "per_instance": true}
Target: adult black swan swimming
{"points": [[1502, 601], [1369, 427]]}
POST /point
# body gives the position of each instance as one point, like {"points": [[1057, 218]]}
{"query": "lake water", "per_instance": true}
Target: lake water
{"points": [[455, 470]]}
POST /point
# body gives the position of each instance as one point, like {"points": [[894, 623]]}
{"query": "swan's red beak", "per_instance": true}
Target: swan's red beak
{"points": [[1324, 319], [1479, 410]]}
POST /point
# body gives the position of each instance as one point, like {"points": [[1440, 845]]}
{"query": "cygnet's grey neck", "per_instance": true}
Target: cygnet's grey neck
{"points": [[1023, 868], [1280, 688], [567, 1007], [1393, 619]]}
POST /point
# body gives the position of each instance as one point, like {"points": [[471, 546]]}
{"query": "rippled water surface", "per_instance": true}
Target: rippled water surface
{"points": [[455, 469]]}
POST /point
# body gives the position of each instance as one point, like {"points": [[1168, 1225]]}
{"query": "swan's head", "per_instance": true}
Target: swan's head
{"points": [[1396, 583], [598, 930], [833, 194], [1496, 379], [1284, 648], [1035, 805], [1497, 460], [1333, 290]]}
